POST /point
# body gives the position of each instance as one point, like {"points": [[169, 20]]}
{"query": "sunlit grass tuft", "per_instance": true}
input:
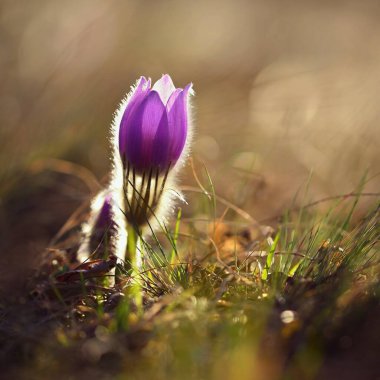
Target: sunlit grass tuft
{"points": [[230, 299]]}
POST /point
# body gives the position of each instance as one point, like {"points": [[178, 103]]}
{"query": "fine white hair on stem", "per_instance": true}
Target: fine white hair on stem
{"points": [[116, 186]]}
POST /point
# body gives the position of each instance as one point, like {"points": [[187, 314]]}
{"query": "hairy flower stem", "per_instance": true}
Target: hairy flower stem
{"points": [[150, 135], [135, 290]]}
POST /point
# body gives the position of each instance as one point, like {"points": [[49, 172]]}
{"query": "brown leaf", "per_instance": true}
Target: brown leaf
{"points": [[89, 269]]}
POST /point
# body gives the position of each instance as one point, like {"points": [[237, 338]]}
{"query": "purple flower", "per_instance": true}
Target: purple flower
{"points": [[154, 125], [104, 219], [103, 228]]}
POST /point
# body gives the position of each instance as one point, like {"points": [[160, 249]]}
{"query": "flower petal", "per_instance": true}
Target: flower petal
{"points": [[164, 87], [142, 128], [173, 98], [161, 145], [104, 219], [177, 121], [138, 95]]}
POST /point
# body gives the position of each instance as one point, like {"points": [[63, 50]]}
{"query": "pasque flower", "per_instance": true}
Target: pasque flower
{"points": [[151, 135], [104, 227], [151, 132], [154, 126], [99, 229]]}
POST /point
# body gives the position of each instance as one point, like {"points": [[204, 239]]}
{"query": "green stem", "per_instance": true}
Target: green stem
{"points": [[135, 290]]}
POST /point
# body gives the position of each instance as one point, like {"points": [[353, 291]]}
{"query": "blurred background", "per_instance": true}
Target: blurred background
{"points": [[283, 89]]}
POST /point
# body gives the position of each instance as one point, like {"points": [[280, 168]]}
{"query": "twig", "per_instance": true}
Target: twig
{"points": [[225, 202], [322, 200], [68, 168]]}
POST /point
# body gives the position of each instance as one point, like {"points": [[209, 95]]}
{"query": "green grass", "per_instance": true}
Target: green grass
{"points": [[273, 308]]}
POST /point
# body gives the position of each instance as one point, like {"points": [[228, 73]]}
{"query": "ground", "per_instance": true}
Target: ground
{"points": [[239, 299]]}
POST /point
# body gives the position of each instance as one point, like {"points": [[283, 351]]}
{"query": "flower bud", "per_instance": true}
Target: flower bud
{"points": [[150, 136], [154, 125], [103, 228], [100, 229]]}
